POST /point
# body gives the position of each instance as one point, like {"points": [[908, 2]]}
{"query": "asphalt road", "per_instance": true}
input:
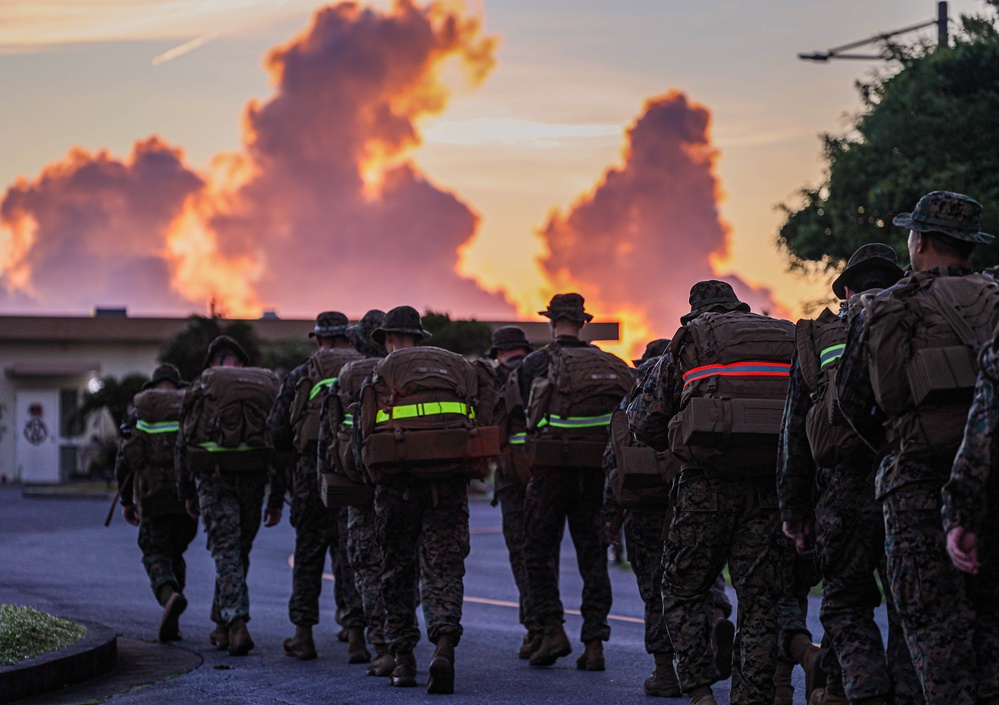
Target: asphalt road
{"points": [[55, 555]]}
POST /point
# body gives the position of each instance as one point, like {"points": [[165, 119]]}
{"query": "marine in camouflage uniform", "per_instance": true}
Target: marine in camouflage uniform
{"points": [[848, 527], [509, 348], [165, 529], [645, 530], [949, 620], [317, 529], [423, 527], [230, 505], [555, 497], [716, 520]]}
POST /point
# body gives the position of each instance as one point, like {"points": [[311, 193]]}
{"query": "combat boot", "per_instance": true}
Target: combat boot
{"points": [[383, 663], [592, 658], [554, 644], [809, 656], [663, 682], [404, 673], [219, 638], [722, 638], [783, 690], [702, 695], [826, 696], [531, 643], [240, 642], [357, 652], [301, 646], [174, 604], [442, 667]]}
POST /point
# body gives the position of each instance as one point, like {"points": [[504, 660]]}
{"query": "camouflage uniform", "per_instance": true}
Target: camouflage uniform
{"points": [[556, 497], [936, 603], [316, 527], [716, 520]]}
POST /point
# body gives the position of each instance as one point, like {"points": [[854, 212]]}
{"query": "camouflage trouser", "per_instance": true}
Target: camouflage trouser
{"points": [[349, 607], [365, 555], [798, 575], [231, 506], [163, 538], [511, 501], [555, 497], [950, 619], [718, 521], [849, 550], [423, 525], [643, 534]]}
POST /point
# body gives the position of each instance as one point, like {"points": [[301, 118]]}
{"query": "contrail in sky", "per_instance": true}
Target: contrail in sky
{"points": [[185, 48]]}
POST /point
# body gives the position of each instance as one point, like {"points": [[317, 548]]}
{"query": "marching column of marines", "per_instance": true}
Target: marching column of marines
{"points": [[862, 440]]}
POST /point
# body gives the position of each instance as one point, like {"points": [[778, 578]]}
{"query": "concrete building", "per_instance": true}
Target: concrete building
{"points": [[49, 361]]}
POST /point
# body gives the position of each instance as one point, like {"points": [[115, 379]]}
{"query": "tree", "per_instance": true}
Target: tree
{"points": [[928, 127], [187, 350], [466, 337], [114, 395]]}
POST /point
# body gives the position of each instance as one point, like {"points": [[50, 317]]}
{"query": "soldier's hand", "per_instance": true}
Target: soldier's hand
{"points": [[962, 547], [800, 533], [131, 514], [192, 508], [272, 516]]}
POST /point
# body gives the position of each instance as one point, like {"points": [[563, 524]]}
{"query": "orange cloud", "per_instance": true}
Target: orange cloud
{"points": [[650, 228]]}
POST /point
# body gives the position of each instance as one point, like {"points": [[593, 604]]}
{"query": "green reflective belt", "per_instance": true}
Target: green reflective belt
{"points": [[517, 439], [430, 408], [348, 419], [557, 421], [213, 447], [157, 427], [831, 354], [321, 386]]}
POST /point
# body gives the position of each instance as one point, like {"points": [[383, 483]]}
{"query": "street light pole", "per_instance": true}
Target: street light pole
{"points": [[838, 52]]}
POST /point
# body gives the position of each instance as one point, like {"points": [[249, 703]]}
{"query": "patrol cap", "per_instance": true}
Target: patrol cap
{"points": [[567, 306], [222, 344], [401, 319], [166, 372], [508, 338], [946, 212], [360, 335], [873, 257], [330, 324], [712, 295]]}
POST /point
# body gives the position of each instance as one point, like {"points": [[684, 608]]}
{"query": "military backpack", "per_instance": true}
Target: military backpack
{"points": [[736, 369], [224, 419], [323, 367], [345, 484], [640, 477], [149, 451], [569, 409]]}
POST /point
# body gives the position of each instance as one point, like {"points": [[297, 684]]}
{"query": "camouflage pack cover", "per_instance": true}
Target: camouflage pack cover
{"points": [[224, 418], [568, 409], [909, 329], [735, 367], [323, 367]]}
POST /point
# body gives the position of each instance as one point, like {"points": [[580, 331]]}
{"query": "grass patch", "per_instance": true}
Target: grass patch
{"points": [[26, 633]]}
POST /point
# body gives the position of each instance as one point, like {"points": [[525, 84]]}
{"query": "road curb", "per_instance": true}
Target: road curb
{"points": [[93, 655]]}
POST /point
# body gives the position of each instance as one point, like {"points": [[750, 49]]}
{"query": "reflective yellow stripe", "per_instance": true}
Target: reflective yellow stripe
{"points": [[348, 419], [157, 427], [213, 447], [517, 439], [430, 408], [557, 421], [321, 386], [831, 354]]}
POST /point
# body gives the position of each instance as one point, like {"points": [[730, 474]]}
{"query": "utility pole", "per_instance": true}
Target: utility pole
{"points": [[838, 52]]}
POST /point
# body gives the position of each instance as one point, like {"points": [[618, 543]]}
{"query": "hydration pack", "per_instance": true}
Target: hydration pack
{"points": [[224, 419], [569, 409], [323, 367], [736, 369]]}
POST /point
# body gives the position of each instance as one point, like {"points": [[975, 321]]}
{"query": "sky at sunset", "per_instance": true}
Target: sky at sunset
{"points": [[471, 158]]}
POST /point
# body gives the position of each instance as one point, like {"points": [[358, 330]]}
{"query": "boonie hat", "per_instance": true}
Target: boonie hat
{"points": [[949, 213], [330, 324], [508, 338], [875, 256], [401, 319], [167, 372], [224, 343], [711, 295], [567, 306], [655, 348], [360, 335]]}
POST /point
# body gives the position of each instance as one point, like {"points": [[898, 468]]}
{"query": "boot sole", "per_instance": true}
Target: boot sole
{"points": [[552, 658], [441, 677], [662, 692], [724, 634], [170, 621], [403, 682], [381, 672]]}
